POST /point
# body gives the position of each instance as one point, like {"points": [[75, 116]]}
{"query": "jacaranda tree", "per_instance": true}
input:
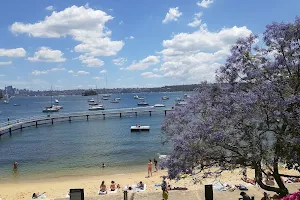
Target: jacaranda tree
{"points": [[250, 117]]}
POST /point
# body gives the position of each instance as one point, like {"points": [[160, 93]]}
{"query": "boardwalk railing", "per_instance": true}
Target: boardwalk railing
{"points": [[9, 125]]}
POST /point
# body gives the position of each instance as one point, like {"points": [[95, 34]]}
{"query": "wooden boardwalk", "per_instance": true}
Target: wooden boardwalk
{"points": [[50, 118]]}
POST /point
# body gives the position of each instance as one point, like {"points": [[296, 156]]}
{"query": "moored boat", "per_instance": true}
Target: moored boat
{"points": [[165, 98], [143, 103], [139, 128], [159, 105], [96, 107]]}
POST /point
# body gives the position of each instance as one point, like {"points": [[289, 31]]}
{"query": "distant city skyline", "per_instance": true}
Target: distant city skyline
{"points": [[138, 44]]}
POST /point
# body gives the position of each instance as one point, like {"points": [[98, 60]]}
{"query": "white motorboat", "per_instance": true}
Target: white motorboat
{"points": [[181, 103], [96, 107], [50, 109], [143, 103], [114, 101], [104, 98], [118, 98], [159, 105], [165, 98], [186, 96], [91, 100], [141, 98], [135, 96], [56, 101], [57, 107], [139, 128], [106, 95]]}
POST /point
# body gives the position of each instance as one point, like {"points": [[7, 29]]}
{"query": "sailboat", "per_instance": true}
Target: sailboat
{"points": [[51, 108], [97, 106], [105, 96]]}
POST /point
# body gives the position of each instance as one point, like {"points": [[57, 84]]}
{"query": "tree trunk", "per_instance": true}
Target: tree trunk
{"points": [[282, 191]]}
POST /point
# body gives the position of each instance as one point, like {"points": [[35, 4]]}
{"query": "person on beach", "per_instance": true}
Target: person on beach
{"points": [[155, 164], [102, 187], [245, 196], [140, 185], [15, 165], [164, 188], [113, 186], [149, 168], [266, 196]]}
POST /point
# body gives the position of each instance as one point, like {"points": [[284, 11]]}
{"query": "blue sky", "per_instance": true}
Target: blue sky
{"points": [[136, 43]]}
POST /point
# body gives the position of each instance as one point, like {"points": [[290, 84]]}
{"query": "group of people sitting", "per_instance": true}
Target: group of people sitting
{"points": [[113, 187]]}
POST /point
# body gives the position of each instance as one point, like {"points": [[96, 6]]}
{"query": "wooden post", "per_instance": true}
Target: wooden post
{"points": [[150, 113], [165, 112], [36, 123], [87, 118], [103, 116], [120, 114], [70, 119], [9, 131], [52, 120], [135, 113]]}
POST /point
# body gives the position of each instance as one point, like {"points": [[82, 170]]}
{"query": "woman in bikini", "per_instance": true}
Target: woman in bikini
{"points": [[149, 168]]}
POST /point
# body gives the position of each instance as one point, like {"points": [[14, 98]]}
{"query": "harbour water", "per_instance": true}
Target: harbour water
{"points": [[79, 148]]}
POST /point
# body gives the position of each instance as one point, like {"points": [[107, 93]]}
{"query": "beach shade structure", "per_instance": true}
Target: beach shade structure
{"points": [[76, 194], [209, 195]]}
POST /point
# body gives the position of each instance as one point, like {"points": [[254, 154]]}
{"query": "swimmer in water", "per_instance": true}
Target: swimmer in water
{"points": [[103, 165]]}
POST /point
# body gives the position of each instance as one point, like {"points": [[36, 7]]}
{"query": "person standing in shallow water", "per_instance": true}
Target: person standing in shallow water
{"points": [[149, 168], [15, 165], [155, 164]]}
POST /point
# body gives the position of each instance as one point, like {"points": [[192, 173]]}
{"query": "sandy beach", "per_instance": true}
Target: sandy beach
{"points": [[58, 188]]}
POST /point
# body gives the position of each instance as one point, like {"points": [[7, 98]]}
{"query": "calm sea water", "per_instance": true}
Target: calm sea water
{"points": [[80, 147]]}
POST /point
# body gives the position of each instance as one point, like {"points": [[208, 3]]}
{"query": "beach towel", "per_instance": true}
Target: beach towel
{"points": [[112, 192], [219, 187], [139, 189], [242, 187], [102, 193], [40, 197]]}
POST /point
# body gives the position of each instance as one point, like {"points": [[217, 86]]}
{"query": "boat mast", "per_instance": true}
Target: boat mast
{"points": [[51, 96]]}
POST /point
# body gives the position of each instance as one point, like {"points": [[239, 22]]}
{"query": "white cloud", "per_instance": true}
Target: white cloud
{"points": [[70, 71], [83, 24], [97, 78], [195, 56], [90, 61], [119, 61], [2, 75], [172, 15], [18, 52], [197, 20], [50, 8], [38, 72], [83, 73], [155, 69], [130, 38], [6, 63], [45, 54], [151, 75], [144, 64], [205, 3], [103, 71]]}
